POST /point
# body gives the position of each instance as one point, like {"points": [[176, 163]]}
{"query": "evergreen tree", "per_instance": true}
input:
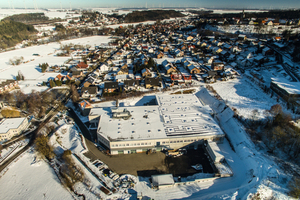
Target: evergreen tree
{"points": [[52, 83]]}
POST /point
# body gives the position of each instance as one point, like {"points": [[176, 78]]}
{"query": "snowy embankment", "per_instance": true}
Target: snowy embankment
{"points": [[28, 178], [67, 138], [252, 170], [245, 97], [12, 150]]}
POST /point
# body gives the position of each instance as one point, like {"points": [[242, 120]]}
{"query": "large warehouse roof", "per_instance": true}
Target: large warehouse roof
{"points": [[174, 116]]}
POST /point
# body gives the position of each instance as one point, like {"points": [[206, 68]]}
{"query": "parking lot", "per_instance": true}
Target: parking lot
{"points": [[155, 163]]}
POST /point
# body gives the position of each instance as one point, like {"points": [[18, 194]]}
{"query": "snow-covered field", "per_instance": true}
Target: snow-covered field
{"points": [[28, 179], [46, 52], [51, 13], [244, 96], [236, 11]]}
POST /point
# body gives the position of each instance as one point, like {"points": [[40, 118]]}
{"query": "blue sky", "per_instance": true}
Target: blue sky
{"points": [[266, 4]]}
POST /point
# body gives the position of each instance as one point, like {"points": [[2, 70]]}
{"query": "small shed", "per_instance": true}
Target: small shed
{"points": [[162, 180]]}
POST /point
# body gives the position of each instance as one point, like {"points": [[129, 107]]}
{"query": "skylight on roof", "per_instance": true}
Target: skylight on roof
{"points": [[171, 130], [188, 129]]}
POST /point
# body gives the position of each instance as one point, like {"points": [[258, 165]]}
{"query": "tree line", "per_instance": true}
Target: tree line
{"points": [[140, 16], [35, 103], [31, 18], [12, 33]]}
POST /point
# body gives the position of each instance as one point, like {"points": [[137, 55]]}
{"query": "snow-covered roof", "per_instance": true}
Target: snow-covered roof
{"points": [[216, 151], [12, 123], [175, 115], [162, 179]]}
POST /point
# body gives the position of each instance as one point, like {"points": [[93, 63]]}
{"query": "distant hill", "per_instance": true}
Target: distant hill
{"points": [[31, 18], [12, 33], [279, 14], [153, 15]]}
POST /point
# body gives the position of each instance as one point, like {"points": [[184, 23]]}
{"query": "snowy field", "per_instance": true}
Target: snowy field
{"points": [[27, 179], [46, 52], [236, 11], [244, 96], [51, 13]]}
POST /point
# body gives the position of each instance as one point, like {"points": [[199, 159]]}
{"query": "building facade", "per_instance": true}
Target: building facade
{"points": [[176, 121], [12, 127]]}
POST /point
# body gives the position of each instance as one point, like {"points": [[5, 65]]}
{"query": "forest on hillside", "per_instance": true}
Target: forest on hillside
{"points": [[31, 18], [153, 15], [12, 32]]}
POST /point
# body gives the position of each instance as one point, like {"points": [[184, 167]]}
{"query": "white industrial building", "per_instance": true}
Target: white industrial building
{"points": [[177, 121], [12, 127]]}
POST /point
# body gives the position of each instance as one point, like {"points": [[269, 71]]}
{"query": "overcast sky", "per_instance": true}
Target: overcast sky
{"points": [[246, 4]]}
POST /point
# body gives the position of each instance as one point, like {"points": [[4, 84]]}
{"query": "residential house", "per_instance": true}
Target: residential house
{"points": [[216, 50], [110, 87], [152, 83], [59, 77], [89, 92], [77, 74], [82, 66], [85, 107], [146, 73], [189, 38], [178, 53], [123, 70], [217, 66], [170, 69], [131, 84], [7, 85], [160, 55], [267, 51], [122, 77], [104, 68], [193, 70], [70, 77], [269, 23]]}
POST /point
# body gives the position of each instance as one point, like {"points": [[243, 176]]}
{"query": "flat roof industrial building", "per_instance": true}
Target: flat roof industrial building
{"points": [[176, 121]]}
